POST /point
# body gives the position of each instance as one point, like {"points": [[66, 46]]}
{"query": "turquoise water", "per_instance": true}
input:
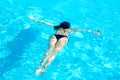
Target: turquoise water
{"points": [[86, 56]]}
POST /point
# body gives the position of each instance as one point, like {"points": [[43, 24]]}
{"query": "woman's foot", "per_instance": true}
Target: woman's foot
{"points": [[40, 70]]}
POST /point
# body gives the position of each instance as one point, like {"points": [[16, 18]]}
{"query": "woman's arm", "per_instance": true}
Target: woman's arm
{"points": [[96, 32], [41, 21], [79, 30]]}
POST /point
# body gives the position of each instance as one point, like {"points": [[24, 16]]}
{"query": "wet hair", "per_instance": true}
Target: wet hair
{"points": [[63, 25]]}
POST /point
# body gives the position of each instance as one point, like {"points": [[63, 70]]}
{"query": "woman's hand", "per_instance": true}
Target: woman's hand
{"points": [[32, 18], [97, 32]]}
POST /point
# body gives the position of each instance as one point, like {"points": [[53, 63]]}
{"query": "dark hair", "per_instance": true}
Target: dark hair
{"points": [[63, 25]]}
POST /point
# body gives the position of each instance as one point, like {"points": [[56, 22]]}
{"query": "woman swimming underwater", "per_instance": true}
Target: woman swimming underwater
{"points": [[57, 42]]}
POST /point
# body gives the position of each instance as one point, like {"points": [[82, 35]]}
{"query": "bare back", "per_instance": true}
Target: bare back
{"points": [[62, 31]]}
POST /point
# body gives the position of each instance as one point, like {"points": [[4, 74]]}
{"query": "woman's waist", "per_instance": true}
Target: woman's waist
{"points": [[62, 34]]}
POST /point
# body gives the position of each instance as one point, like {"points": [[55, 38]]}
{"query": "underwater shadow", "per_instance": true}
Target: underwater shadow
{"points": [[17, 47]]}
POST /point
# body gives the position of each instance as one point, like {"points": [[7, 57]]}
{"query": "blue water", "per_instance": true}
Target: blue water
{"points": [[86, 56]]}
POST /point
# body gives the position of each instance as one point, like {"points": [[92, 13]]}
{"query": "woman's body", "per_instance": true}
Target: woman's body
{"points": [[57, 42]]}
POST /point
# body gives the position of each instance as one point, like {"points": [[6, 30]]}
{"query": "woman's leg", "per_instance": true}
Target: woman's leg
{"points": [[44, 61], [59, 46], [50, 59], [53, 41]]}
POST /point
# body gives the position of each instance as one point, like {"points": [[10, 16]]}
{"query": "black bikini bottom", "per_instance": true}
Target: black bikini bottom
{"points": [[58, 36]]}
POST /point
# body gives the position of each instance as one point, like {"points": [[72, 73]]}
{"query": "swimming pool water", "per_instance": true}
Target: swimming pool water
{"points": [[86, 56]]}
